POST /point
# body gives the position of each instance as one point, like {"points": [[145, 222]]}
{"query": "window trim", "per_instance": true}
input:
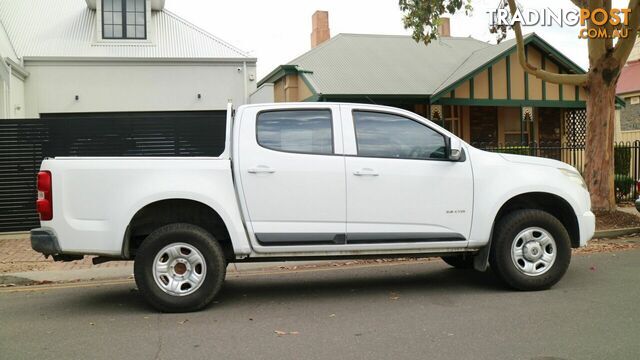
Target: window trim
{"points": [[333, 137], [124, 23], [447, 139]]}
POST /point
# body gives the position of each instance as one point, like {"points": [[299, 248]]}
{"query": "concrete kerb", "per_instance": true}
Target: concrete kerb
{"points": [[603, 234]]}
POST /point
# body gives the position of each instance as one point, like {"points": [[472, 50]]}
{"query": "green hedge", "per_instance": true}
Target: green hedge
{"points": [[516, 150], [624, 186], [622, 160]]}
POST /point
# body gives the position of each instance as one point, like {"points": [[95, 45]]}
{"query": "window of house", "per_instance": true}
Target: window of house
{"points": [[299, 131], [392, 136], [635, 100], [516, 132], [124, 19], [452, 119]]}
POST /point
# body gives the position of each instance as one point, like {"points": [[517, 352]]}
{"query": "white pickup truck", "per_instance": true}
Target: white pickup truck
{"points": [[307, 181]]}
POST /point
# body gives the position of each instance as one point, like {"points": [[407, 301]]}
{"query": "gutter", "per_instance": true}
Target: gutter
{"points": [[222, 60], [17, 69]]}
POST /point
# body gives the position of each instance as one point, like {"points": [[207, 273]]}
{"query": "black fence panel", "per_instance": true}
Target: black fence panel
{"points": [[626, 160], [25, 142]]}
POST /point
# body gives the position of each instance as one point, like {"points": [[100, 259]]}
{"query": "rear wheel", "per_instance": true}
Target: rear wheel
{"points": [[179, 268], [531, 250], [462, 261]]}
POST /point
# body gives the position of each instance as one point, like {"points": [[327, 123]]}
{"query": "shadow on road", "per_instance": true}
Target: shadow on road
{"points": [[357, 284]]}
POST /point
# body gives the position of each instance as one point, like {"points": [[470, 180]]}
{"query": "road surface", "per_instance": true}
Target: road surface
{"points": [[400, 311]]}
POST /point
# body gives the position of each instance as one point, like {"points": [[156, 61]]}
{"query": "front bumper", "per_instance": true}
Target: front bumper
{"points": [[587, 223]]}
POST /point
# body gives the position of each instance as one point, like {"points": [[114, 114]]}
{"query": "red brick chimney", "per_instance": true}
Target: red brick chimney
{"points": [[320, 32], [444, 29]]}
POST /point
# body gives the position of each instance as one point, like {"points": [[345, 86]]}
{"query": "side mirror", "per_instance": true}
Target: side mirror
{"points": [[455, 149]]}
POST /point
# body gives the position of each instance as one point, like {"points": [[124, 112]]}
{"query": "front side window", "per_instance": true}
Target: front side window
{"points": [[124, 19], [299, 131], [392, 136]]}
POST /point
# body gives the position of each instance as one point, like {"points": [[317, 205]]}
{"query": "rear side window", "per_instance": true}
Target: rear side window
{"points": [[392, 136], [298, 131]]}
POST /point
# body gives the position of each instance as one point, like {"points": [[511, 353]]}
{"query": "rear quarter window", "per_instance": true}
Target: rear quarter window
{"points": [[297, 131]]}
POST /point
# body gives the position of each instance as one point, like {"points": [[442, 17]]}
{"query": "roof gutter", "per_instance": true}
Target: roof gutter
{"points": [[17, 69], [220, 60]]}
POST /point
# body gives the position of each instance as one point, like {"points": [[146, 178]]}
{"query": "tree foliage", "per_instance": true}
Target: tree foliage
{"points": [[606, 60], [423, 16]]}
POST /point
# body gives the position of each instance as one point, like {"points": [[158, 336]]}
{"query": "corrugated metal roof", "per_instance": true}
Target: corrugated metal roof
{"points": [[384, 64], [475, 60], [67, 28]]}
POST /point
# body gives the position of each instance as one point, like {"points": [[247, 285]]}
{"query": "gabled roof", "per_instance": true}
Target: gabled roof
{"points": [[67, 29], [351, 64], [629, 78], [383, 64]]}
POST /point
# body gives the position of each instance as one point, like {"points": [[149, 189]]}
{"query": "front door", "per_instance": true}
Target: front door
{"points": [[293, 177], [400, 186]]}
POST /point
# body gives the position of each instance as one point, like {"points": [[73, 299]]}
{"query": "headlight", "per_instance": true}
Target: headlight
{"points": [[574, 176]]}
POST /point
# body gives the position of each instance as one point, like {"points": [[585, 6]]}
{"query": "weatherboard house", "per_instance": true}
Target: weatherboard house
{"points": [[475, 89], [99, 57]]}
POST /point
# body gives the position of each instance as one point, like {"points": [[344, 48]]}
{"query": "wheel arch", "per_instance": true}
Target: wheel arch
{"points": [[548, 202], [162, 212]]}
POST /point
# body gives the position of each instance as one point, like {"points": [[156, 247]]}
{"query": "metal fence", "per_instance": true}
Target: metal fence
{"points": [[626, 160], [25, 142]]}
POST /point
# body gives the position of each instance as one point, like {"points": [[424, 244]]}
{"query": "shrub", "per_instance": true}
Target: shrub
{"points": [[516, 150], [624, 186]]}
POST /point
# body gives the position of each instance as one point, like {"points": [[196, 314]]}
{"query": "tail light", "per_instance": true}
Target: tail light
{"points": [[44, 204], [638, 187]]}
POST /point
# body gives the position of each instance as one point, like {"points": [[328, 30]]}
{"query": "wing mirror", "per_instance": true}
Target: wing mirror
{"points": [[454, 149]]}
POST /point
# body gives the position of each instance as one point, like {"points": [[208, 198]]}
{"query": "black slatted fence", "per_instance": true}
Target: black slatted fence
{"points": [[626, 161], [25, 142]]}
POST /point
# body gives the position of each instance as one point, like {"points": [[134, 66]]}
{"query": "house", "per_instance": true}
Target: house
{"points": [[629, 89], [476, 90], [103, 56]]}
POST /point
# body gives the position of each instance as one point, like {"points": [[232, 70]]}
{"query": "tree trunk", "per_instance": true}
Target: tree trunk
{"points": [[601, 94]]}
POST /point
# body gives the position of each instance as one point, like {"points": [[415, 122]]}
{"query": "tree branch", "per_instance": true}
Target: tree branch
{"points": [[608, 42], [597, 46], [624, 46], [555, 78]]}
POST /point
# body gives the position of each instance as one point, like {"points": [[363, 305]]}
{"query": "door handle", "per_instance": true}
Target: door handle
{"points": [[261, 169], [365, 172]]}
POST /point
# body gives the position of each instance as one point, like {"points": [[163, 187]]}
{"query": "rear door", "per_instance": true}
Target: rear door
{"points": [[293, 178]]}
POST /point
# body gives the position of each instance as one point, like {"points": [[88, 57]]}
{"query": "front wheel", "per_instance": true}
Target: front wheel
{"points": [[531, 250], [179, 268]]}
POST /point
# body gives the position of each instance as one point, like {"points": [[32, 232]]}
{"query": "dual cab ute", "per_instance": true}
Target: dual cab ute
{"points": [[314, 181]]}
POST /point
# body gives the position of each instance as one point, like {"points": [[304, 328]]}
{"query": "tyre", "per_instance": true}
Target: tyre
{"points": [[531, 250], [179, 268], [462, 261]]}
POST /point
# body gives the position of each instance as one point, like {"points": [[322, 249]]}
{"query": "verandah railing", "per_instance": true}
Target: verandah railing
{"points": [[626, 160]]}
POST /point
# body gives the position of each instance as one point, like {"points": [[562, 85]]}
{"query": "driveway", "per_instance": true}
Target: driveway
{"points": [[422, 310]]}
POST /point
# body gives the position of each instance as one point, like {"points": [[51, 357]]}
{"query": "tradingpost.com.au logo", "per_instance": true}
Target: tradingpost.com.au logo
{"points": [[568, 17]]}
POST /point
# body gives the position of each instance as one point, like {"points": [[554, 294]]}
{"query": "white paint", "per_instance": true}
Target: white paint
{"points": [[17, 108], [132, 86], [96, 198], [264, 94]]}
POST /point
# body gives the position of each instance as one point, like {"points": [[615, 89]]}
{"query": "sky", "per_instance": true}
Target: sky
{"points": [[277, 31]]}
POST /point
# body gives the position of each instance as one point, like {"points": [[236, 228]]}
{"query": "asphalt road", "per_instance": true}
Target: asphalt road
{"points": [[407, 311]]}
